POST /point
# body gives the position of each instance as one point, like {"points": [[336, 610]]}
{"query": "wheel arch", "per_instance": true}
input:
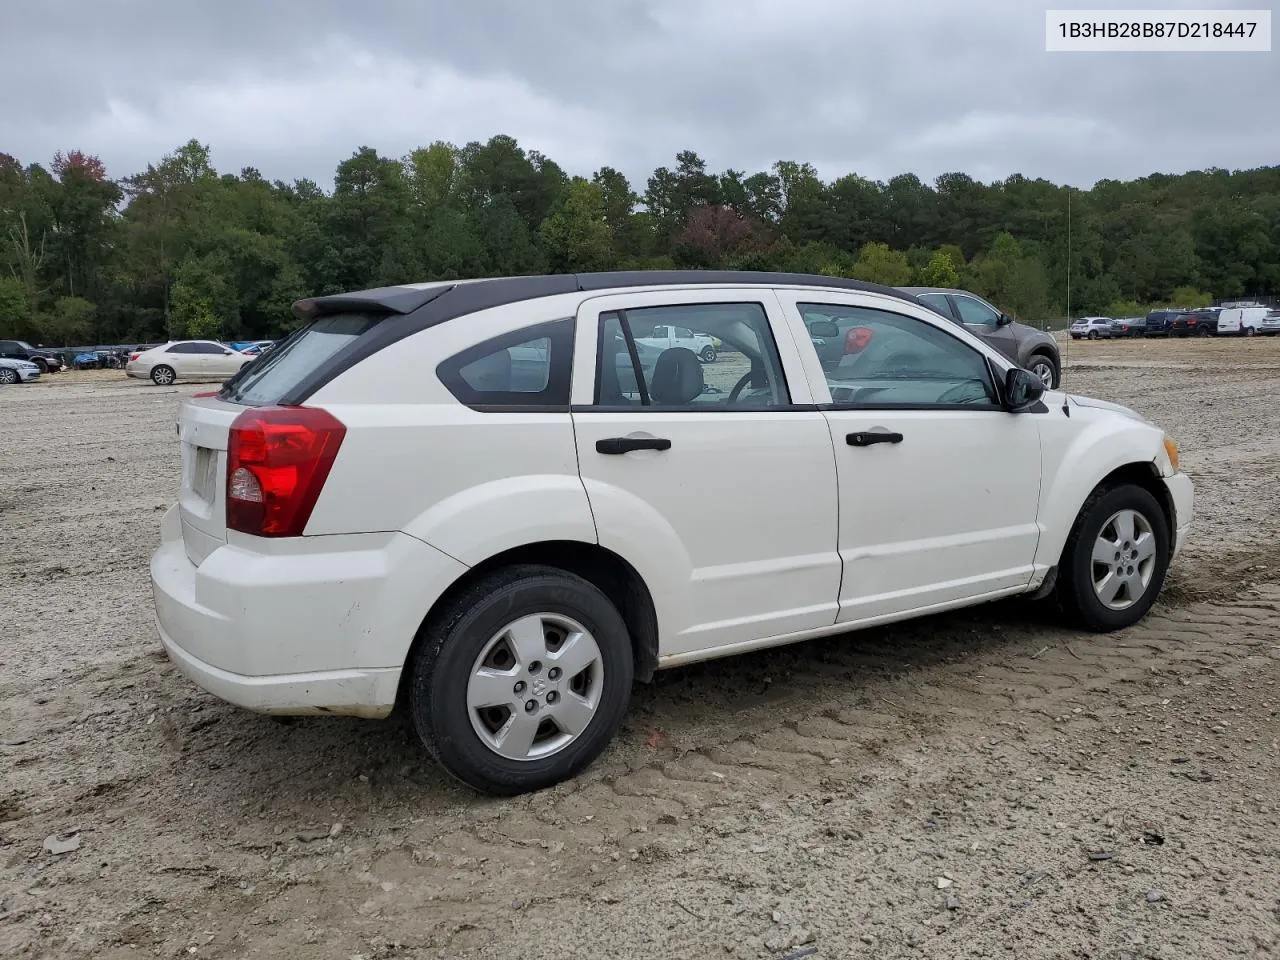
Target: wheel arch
{"points": [[616, 578]]}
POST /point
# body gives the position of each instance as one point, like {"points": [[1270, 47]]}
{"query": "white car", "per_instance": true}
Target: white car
{"points": [[1242, 321], [478, 501], [18, 371], [1091, 328], [1270, 325], [186, 360], [664, 336]]}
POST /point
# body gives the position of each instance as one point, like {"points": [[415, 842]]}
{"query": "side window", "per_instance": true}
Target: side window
{"points": [[208, 348], [525, 368], [975, 312], [182, 348], [891, 360], [637, 368], [938, 301]]}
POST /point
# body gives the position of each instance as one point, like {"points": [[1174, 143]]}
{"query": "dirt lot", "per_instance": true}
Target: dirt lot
{"points": [[983, 784]]}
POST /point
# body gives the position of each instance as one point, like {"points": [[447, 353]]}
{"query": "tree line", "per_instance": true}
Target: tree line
{"points": [[181, 250]]}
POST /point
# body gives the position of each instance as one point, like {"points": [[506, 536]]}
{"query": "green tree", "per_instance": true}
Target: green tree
{"points": [[878, 264], [940, 272], [576, 233]]}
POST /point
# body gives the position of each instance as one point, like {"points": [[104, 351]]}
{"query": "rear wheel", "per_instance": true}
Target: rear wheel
{"points": [[522, 681], [1250, 331], [163, 375], [1203, 331], [1115, 560], [708, 354], [1093, 334]]}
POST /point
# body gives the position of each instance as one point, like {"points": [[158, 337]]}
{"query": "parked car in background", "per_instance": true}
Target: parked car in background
{"points": [[186, 360], [1026, 346], [395, 508], [1092, 328], [18, 371], [665, 336], [1129, 327], [1195, 323], [46, 360], [1242, 321], [1160, 322], [1270, 324]]}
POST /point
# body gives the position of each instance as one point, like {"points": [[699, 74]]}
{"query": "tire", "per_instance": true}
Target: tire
{"points": [[1079, 573], [708, 355], [162, 375], [8, 375], [42, 364], [1093, 334], [1250, 331], [1038, 364], [1203, 332], [471, 635]]}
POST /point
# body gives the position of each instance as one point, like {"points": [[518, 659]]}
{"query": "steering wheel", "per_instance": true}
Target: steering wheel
{"points": [[737, 387]]}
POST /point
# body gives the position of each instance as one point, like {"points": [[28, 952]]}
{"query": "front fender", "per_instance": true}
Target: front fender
{"points": [[1075, 461], [479, 522]]}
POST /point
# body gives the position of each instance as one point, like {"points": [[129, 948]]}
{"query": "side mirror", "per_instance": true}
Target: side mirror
{"points": [[1022, 389], [824, 329], [1004, 320]]}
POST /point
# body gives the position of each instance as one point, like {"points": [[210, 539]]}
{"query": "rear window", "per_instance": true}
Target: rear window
{"points": [[272, 375]]}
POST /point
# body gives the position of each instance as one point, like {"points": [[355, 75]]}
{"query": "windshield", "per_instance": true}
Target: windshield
{"points": [[271, 375]]}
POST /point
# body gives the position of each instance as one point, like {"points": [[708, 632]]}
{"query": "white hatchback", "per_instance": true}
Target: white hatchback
{"points": [[186, 360], [495, 503]]}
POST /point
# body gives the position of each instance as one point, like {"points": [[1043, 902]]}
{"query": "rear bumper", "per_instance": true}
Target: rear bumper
{"points": [[1183, 495], [322, 626]]}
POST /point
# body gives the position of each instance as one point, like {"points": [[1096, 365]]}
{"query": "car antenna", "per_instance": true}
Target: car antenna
{"points": [[1066, 344]]}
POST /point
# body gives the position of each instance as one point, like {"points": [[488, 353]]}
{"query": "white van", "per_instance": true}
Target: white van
{"points": [[1241, 321]]}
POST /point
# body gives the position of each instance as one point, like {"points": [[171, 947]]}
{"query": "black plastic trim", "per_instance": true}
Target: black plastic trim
{"points": [[691, 408], [411, 311], [978, 407]]}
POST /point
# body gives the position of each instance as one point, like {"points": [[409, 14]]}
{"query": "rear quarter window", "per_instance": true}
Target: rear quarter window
{"points": [[525, 369]]}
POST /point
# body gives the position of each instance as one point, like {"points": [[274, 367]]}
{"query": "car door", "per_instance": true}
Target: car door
{"points": [[983, 321], [939, 486], [715, 481], [223, 361]]}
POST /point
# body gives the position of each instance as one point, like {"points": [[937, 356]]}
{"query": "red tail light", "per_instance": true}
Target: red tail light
{"points": [[134, 356], [277, 461], [856, 339]]}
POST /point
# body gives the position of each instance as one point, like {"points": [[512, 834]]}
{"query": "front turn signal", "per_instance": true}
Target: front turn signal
{"points": [[1171, 449]]}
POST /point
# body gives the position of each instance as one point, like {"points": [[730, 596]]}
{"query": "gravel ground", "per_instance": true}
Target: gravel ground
{"points": [[971, 785]]}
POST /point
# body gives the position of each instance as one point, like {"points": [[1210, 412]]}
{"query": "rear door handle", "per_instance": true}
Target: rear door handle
{"points": [[867, 439], [615, 445]]}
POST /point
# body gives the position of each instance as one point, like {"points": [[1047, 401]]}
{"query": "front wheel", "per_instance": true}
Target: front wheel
{"points": [[522, 681], [1115, 560], [8, 375], [163, 375], [1046, 370], [708, 354]]}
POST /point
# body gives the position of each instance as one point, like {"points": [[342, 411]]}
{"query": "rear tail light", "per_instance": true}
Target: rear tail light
{"points": [[277, 461], [134, 356], [856, 339]]}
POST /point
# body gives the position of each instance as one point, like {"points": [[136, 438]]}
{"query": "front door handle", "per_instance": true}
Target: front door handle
{"points": [[614, 445], [867, 439]]}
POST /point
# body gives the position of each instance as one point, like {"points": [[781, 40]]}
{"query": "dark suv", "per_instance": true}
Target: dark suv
{"points": [[1028, 347], [1198, 323], [46, 360], [1160, 322]]}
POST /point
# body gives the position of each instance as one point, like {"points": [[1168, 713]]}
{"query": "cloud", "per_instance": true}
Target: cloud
{"points": [[294, 86]]}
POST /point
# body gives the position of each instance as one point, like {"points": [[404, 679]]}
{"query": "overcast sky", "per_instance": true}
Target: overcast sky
{"points": [[877, 88]]}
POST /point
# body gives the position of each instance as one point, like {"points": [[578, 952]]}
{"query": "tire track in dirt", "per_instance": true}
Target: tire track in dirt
{"points": [[828, 740]]}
